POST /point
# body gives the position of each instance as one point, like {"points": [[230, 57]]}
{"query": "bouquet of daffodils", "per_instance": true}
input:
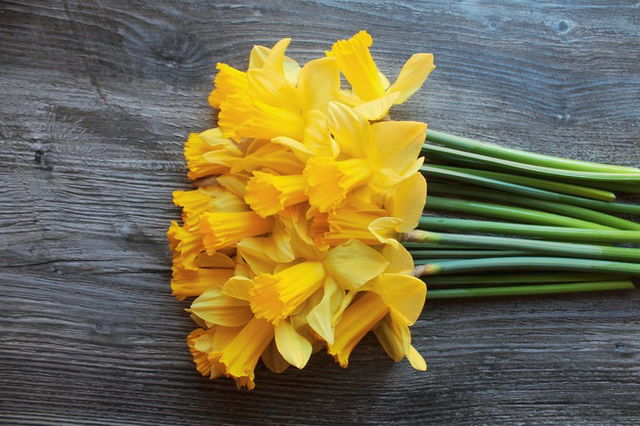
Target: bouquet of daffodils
{"points": [[309, 207]]}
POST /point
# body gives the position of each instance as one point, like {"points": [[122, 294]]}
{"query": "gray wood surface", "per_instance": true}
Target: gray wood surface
{"points": [[96, 98]]}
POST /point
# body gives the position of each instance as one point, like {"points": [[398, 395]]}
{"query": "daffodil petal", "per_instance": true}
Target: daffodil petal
{"points": [[293, 347], [398, 143], [258, 56], [216, 260], [217, 308], [321, 316], [347, 97], [319, 83], [238, 287], [354, 263], [407, 202], [272, 88], [415, 359], [400, 260], [377, 108], [394, 337], [234, 183], [187, 283], [412, 76], [350, 129], [273, 360], [298, 148], [275, 59], [403, 294], [263, 253], [385, 178], [385, 229], [291, 70], [317, 137]]}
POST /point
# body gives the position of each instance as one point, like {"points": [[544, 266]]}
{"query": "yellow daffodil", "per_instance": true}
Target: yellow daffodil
{"points": [[240, 356], [209, 153], [275, 296], [188, 283], [401, 298], [220, 230], [384, 154], [350, 222], [215, 307], [330, 181], [372, 94], [229, 80], [206, 199], [268, 194], [270, 100], [265, 156]]}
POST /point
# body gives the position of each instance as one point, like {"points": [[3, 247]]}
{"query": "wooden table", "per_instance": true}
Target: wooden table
{"points": [[96, 99]]}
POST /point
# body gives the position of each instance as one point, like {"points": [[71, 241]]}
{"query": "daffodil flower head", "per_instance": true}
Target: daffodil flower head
{"points": [[188, 283], [220, 230], [206, 199], [268, 194], [209, 153], [373, 94], [398, 295], [344, 224], [275, 296], [329, 181], [240, 356], [274, 97]]}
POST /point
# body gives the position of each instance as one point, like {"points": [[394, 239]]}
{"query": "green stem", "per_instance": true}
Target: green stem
{"points": [[515, 214], [526, 290], [561, 208], [436, 171], [530, 263], [533, 246], [523, 278], [619, 187], [494, 150], [463, 254], [433, 246], [564, 188], [430, 223], [449, 154]]}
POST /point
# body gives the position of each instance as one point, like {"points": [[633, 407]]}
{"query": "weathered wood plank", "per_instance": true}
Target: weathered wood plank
{"points": [[96, 99]]}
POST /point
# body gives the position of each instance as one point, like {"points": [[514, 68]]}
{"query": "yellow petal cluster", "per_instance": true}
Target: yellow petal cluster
{"points": [[287, 241]]}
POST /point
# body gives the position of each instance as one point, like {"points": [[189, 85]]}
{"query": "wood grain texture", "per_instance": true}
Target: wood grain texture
{"points": [[96, 98]]}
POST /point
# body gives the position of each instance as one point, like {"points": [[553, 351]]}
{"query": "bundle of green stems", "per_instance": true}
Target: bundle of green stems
{"points": [[539, 224]]}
